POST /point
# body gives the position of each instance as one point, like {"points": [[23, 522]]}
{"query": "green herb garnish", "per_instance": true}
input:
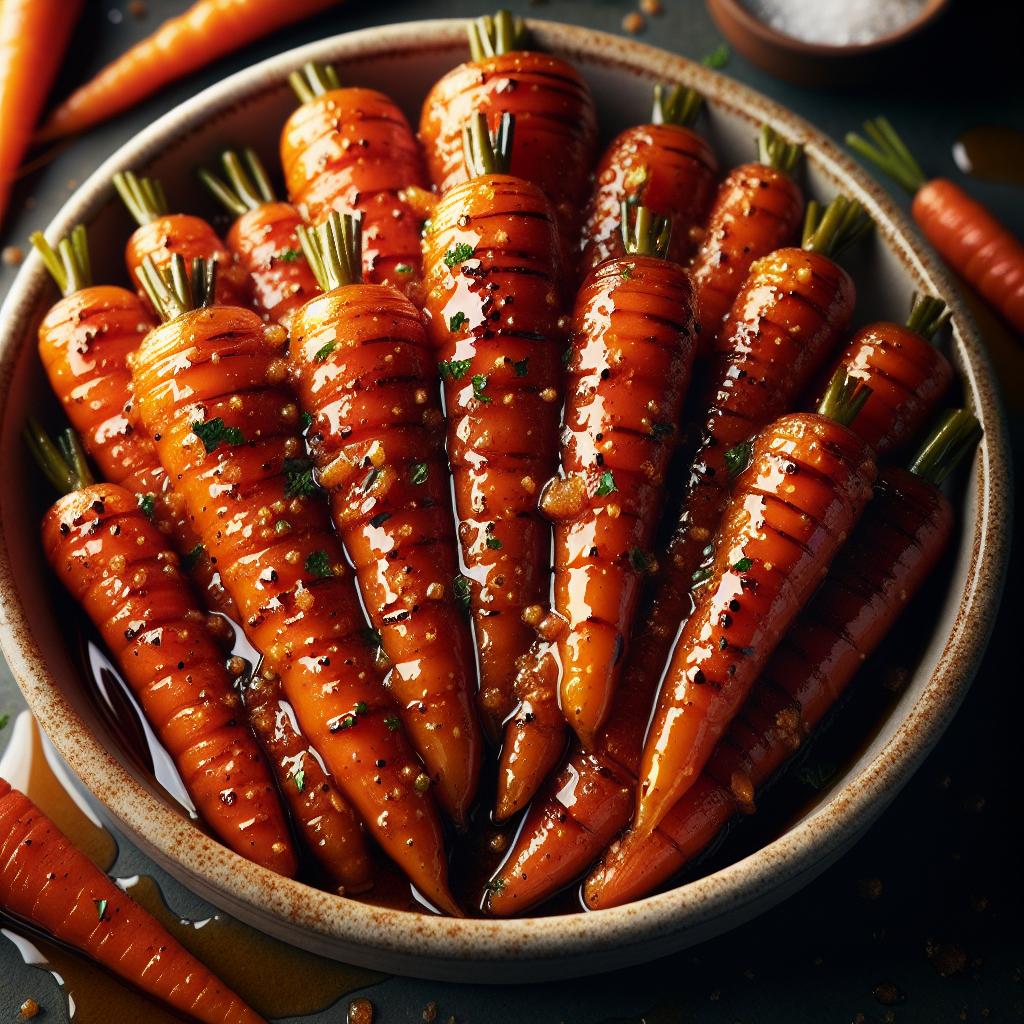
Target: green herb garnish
{"points": [[147, 504], [718, 57], [461, 253], [323, 352], [305, 421], [213, 432], [743, 565], [282, 526], [299, 778], [287, 255], [606, 484], [454, 369], [299, 482], [479, 386], [392, 723], [496, 885], [494, 543], [191, 559], [737, 459], [319, 565], [521, 367], [101, 909], [403, 268], [460, 585], [419, 473], [456, 321], [4, 719]]}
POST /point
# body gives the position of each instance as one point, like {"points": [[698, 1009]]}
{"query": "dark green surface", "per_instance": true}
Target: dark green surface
{"points": [[936, 885]]}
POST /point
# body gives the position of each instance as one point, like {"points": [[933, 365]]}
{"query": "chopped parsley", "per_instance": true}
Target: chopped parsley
{"points": [[521, 367], [299, 482], [639, 560], [743, 565], [192, 557], [606, 484], [213, 432], [462, 593], [282, 526], [4, 719], [718, 57], [305, 422], [496, 885], [456, 321], [454, 369], [101, 909], [494, 543], [627, 272], [147, 504], [319, 565], [392, 723], [461, 253], [287, 255], [479, 387], [324, 351], [419, 473], [403, 268], [299, 778], [737, 459]]}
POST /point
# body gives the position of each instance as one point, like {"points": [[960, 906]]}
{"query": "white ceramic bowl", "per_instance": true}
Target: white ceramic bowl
{"points": [[404, 60]]}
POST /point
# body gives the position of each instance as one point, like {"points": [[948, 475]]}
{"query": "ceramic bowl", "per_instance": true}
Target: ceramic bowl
{"points": [[404, 60]]}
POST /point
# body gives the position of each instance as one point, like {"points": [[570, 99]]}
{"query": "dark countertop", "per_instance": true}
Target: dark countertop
{"points": [[921, 921]]}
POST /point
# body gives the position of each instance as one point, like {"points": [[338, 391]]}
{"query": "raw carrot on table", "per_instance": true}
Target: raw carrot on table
{"points": [[34, 36], [666, 166], [351, 150], [264, 237], [118, 567], [162, 235], [556, 122], [757, 209], [493, 300], [904, 530], [366, 375], [207, 30], [966, 235], [47, 883], [632, 348], [211, 382]]}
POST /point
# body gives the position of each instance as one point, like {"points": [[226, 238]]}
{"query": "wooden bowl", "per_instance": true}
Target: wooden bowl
{"points": [[41, 648]]}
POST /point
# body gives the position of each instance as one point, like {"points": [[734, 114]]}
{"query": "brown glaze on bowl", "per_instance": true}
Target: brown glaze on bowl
{"points": [[404, 60]]}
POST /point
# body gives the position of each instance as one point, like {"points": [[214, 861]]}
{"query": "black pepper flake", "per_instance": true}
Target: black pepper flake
{"points": [[734, 605], [699, 678]]}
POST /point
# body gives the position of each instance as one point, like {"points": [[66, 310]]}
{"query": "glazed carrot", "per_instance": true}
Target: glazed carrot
{"points": [[758, 209], [34, 35], [789, 512], [162, 235], [352, 150], [554, 113], [904, 530], [493, 279], [85, 342], [264, 238], [47, 883], [211, 387], [197, 37], [666, 166], [365, 374], [629, 369], [117, 565], [966, 235], [907, 374]]}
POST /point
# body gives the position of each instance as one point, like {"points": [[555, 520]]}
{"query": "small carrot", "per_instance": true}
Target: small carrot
{"points": [[889, 556], [494, 282], [264, 237], [211, 385], [757, 209], [34, 36], [790, 510], [351, 150], [631, 354], [207, 30], [160, 235], [365, 374], [666, 166], [47, 883], [116, 564], [966, 235], [549, 100]]}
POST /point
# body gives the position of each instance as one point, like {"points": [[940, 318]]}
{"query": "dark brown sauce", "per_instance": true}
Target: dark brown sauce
{"points": [[991, 153]]}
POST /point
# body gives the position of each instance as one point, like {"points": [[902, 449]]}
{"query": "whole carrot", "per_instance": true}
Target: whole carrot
{"points": [[666, 166], [790, 510], [117, 565], [351, 150], [549, 100], [494, 280], [365, 374], [966, 235], [50, 885], [211, 387], [162, 235], [207, 30], [631, 354], [890, 554], [264, 237], [34, 36], [757, 209]]}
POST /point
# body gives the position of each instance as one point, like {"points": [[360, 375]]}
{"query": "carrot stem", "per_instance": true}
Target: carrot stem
{"points": [[678, 105], [493, 35], [834, 228], [69, 263], [488, 152], [247, 187], [954, 436], [173, 290], [775, 151], [313, 80], [64, 464], [334, 250], [144, 197], [844, 398], [887, 151], [649, 234]]}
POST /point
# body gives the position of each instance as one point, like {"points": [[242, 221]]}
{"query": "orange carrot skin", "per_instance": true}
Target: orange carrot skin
{"points": [[352, 150], [190, 237], [49, 884], [907, 375], [366, 373], [555, 126], [324, 820], [498, 307], [975, 244], [195, 38], [266, 246], [117, 565], [283, 565], [788, 515], [894, 548], [757, 210], [668, 168]]}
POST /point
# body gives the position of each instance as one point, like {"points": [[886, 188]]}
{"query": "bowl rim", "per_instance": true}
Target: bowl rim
{"points": [[759, 879]]}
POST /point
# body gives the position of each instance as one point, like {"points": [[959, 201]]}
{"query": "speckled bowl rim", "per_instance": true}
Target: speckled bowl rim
{"points": [[646, 926]]}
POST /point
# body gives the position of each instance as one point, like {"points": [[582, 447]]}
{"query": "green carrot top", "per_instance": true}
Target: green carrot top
{"points": [[247, 186], [775, 151], [334, 250], [676, 104], [312, 80], [175, 290], [64, 464], [68, 263], [144, 197], [954, 437], [928, 315], [494, 35], [844, 398], [648, 235], [888, 153], [835, 227], [488, 152]]}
